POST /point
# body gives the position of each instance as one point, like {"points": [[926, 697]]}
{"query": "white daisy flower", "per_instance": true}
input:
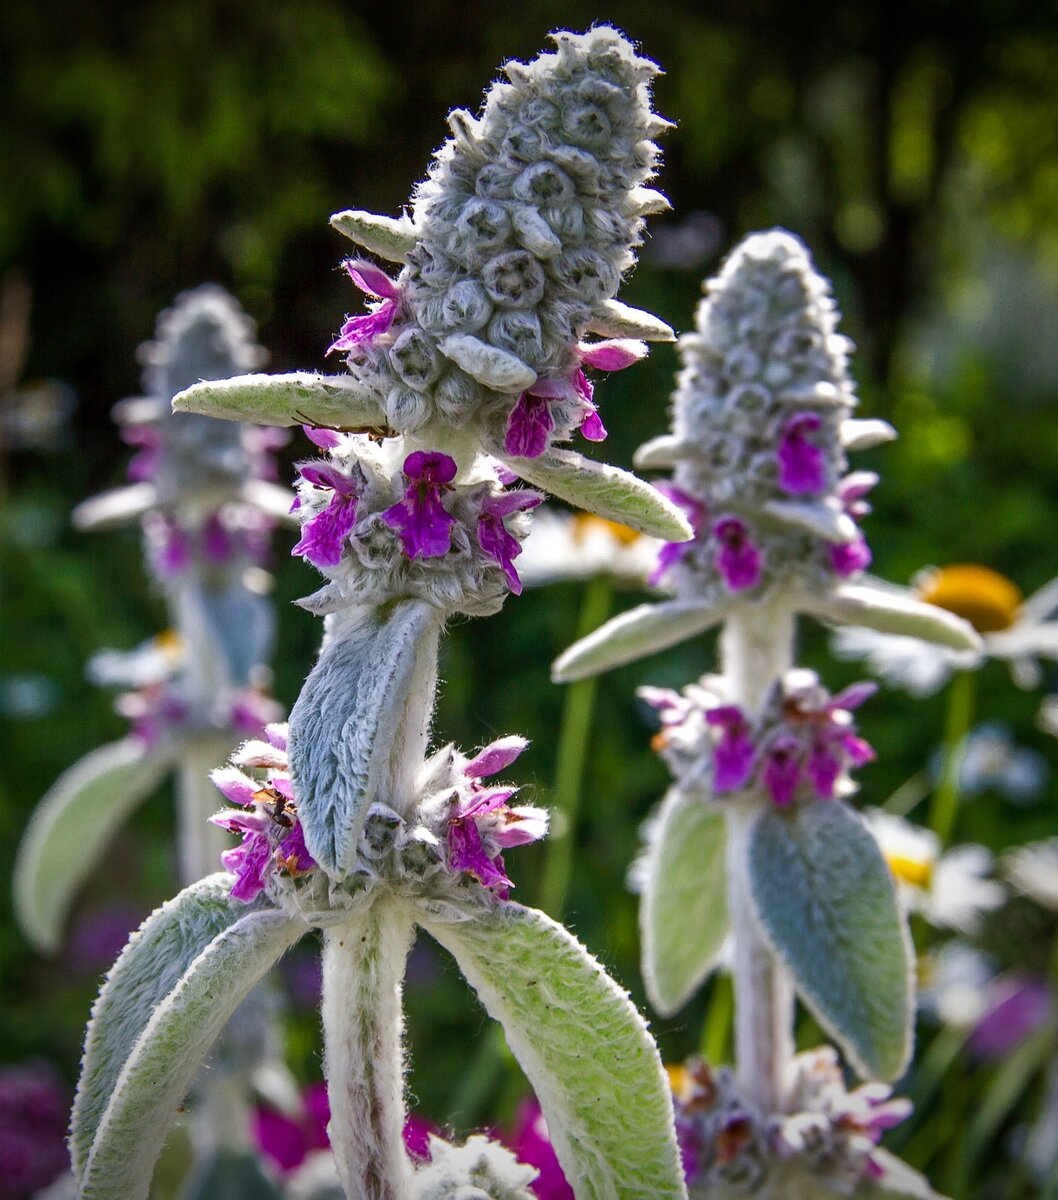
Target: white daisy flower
{"points": [[1033, 870], [950, 890], [1016, 630], [953, 982]]}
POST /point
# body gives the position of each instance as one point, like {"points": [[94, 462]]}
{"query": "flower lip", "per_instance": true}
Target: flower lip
{"points": [[988, 600]]}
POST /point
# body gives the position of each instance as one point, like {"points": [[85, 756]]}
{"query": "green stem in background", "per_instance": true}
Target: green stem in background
{"points": [[577, 715], [957, 722], [716, 1031]]}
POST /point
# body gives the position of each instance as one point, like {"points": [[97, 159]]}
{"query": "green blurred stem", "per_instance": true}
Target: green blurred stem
{"points": [[577, 716], [716, 1032], [945, 805]]}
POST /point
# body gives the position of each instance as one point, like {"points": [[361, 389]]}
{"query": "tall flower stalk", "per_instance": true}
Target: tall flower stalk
{"points": [[464, 372], [755, 840]]}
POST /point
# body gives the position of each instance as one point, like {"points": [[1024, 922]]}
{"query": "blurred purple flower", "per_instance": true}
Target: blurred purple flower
{"points": [[1018, 1006], [34, 1108], [531, 1143], [99, 935]]}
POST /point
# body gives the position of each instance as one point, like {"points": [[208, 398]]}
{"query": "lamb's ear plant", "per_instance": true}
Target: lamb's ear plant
{"points": [[755, 843], [201, 491], [461, 378]]}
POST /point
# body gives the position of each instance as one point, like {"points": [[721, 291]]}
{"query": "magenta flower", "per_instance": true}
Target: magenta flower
{"points": [[147, 439], [738, 558], [287, 1140], [495, 757], [733, 754], [802, 466], [424, 525], [323, 536], [849, 558], [326, 439], [34, 1110], [360, 331], [170, 547], [1018, 1007], [217, 543], [530, 423], [782, 769], [493, 536], [696, 513], [154, 712]]}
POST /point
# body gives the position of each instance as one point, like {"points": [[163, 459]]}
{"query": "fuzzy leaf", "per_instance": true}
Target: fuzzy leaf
{"points": [[163, 1006], [635, 634], [827, 903], [890, 610], [582, 1045], [270, 498], [149, 967], [613, 319], [121, 506], [683, 918], [301, 398], [351, 723], [606, 491], [495, 368], [898, 1182], [860, 434], [392, 238], [71, 828], [818, 518], [660, 453]]}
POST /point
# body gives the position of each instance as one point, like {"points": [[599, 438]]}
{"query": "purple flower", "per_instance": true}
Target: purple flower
{"points": [[733, 754], [591, 425], [613, 355], [782, 769], [323, 536], [217, 545], [417, 1132], [738, 559], [495, 757], [99, 935], [466, 850], [424, 525], [1018, 1007], [493, 536], [287, 1140], [170, 547], [326, 439], [696, 513], [154, 712], [849, 558], [802, 466], [360, 331], [251, 712], [529, 425], [148, 443]]}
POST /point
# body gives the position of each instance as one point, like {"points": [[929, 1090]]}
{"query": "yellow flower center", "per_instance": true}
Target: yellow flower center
{"points": [[988, 600], [918, 872], [681, 1083], [171, 644], [585, 523]]}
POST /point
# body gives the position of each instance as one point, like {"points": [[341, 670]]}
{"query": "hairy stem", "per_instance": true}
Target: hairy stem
{"points": [[199, 842], [756, 647], [578, 711], [363, 970]]}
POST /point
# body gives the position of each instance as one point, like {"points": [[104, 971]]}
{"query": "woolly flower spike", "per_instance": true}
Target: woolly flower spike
{"points": [[511, 258], [759, 415], [381, 525], [203, 490], [273, 842], [825, 1140], [800, 748], [762, 419]]}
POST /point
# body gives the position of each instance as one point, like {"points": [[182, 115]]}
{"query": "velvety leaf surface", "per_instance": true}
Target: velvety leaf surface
{"points": [[583, 1046], [296, 399], [826, 900], [683, 917], [71, 828]]}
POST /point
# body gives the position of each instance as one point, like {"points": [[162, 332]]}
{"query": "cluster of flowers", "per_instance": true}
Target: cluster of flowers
{"points": [[379, 524], [458, 832], [825, 1141], [801, 746], [517, 242], [761, 421]]}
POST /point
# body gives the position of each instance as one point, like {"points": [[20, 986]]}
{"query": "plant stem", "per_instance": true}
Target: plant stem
{"points": [[363, 1022], [199, 842], [756, 649], [574, 739], [944, 808]]}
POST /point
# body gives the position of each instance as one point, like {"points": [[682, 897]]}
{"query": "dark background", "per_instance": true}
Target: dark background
{"points": [[148, 147]]}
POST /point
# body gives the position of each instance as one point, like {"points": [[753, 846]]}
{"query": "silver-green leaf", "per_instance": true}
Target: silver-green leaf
{"points": [[828, 906], [301, 398], [355, 720], [116, 1149], [583, 1046], [635, 634], [898, 1181], [392, 238], [72, 826], [606, 491], [683, 917], [890, 610]]}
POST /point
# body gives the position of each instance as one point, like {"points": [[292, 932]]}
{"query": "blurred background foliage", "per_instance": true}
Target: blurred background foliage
{"points": [[148, 146]]}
